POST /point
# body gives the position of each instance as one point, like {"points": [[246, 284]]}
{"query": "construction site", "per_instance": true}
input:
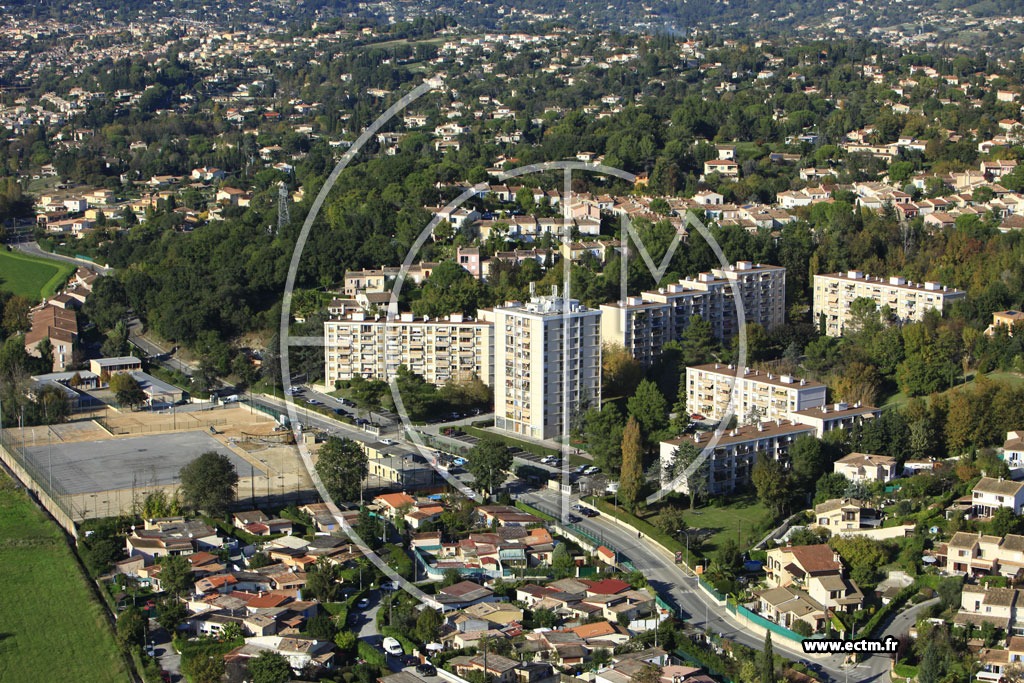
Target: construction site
{"points": [[107, 462]]}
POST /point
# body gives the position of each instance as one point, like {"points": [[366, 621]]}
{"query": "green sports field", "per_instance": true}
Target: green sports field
{"points": [[32, 277], [51, 626]]}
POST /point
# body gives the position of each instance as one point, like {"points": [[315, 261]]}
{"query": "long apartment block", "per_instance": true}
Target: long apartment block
{"points": [[834, 293], [757, 395], [436, 349], [735, 454], [643, 324], [547, 364]]}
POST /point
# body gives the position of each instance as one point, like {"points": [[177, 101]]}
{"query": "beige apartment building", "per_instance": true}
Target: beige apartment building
{"points": [[547, 364], [438, 350], [757, 395], [835, 292], [735, 454], [643, 324]]}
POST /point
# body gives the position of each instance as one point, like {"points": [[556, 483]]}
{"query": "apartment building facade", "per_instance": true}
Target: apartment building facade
{"points": [[438, 350], [834, 293], [547, 364], [757, 395], [643, 324], [734, 456]]}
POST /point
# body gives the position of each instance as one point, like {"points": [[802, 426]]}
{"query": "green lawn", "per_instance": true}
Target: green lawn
{"points": [[32, 277], [51, 627], [742, 515]]}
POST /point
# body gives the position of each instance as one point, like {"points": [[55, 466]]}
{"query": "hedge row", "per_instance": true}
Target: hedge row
{"points": [[371, 655]]}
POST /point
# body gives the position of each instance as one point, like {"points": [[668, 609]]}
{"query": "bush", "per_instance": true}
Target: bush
{"points": [[371, 655], [802, 628]]}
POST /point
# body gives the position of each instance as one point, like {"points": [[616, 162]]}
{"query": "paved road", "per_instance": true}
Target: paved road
{"points": [[33, 248], [156, 352], [680, 590], [901, 623], [170, 661]]}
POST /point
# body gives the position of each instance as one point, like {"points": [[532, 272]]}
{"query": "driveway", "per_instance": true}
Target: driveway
{"points": [[170, 660]]}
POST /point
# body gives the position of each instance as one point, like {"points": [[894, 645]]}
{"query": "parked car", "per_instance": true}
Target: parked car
{"points": [[363, 603], [426, 669], [393, 647]]}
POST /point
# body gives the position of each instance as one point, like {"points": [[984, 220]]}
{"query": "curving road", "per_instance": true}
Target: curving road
{"points": [[680, 590], [31, 247]]}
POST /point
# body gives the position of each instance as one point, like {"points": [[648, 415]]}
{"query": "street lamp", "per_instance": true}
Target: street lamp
{"points": [[686, 533]]}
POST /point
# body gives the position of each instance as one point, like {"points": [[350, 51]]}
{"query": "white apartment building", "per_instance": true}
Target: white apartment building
{"points": [[835, 292], [758, 395], [438, 350], [547, 364], [643, 324], [735, 454]]}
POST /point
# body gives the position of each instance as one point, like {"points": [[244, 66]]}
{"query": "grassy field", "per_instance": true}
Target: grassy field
{"points": [[1012, 378], [32, 277], [740, 516], [51, 627]]}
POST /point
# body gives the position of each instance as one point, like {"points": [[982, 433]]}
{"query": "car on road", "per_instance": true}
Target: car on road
{"points": [[426, 669], [393, 647], [590, 512], [573, 519], [314, 402], [165, 676], [346, 402], [387, 442], [591, 470], [364, 603]]}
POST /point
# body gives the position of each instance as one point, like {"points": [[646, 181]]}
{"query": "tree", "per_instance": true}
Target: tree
{"points": [[631, 478], [648, 673], [321, 627], [170, 613], [127, 391], [208, 483], [545, 618], [270, 667], [933, 664], [320, 580], [768, 660], [771, 482], [729, 558], [808, 462], [203, 668], [670, 521], [698, 341], [1003, 522], [489, 461], [342, 465], [696, 482], [561, 561], [620, 372], [131, 628], [346, 641], [428, 625], [649, 408], [602, 429], [176, 575]]}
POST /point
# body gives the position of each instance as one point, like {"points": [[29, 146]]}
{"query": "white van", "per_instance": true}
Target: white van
{"points": [[393, 647]]}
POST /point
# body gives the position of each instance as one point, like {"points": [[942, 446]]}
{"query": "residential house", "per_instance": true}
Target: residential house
{"points": [[862, 467], [990, 494]]}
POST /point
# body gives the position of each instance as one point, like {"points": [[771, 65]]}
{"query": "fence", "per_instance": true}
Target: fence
{"points": [[741, 612], [52, 495], [440, 443], [178, 422]]}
